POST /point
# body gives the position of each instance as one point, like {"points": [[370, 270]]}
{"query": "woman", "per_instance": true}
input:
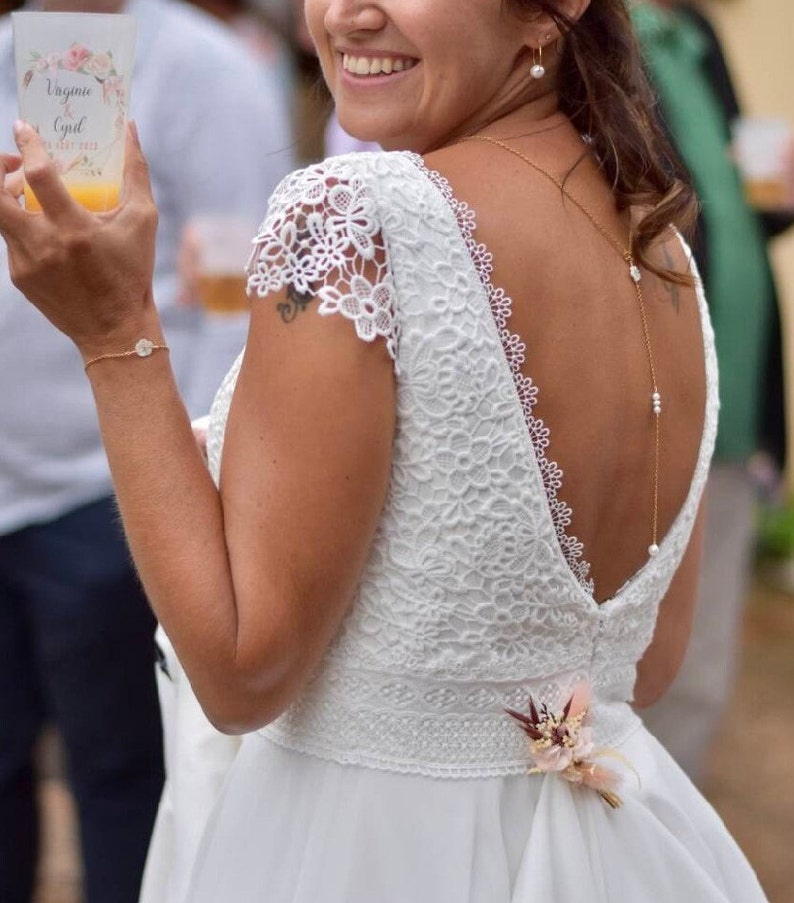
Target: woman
{"points": [[393, 557]]}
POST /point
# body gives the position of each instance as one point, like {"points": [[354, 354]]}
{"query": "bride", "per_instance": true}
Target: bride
{"points": [[450, 534]]}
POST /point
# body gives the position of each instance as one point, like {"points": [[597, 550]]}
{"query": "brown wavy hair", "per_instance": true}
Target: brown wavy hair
{"points": [[604, 91]]}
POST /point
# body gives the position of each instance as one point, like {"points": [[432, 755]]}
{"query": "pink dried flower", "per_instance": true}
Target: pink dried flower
{"points": [[563, 744]]}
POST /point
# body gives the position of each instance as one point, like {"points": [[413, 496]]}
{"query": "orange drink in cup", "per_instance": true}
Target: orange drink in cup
{"points": [[222, 293], [73, 81], [97, 196], [222, 246]]}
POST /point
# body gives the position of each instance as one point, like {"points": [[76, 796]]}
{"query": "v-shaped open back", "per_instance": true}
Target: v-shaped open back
{"points": [[589, 447]]}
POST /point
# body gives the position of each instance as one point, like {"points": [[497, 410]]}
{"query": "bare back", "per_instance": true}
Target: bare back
{"points": [[575, 308]]}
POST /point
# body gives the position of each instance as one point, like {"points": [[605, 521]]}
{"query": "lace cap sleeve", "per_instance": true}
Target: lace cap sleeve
{"points": [[322, 238]]}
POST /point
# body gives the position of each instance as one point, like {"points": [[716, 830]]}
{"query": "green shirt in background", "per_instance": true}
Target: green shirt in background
{"points": [[740, 292]]}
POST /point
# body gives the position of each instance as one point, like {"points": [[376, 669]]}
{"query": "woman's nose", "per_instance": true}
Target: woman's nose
{"points": [[345, 17]]}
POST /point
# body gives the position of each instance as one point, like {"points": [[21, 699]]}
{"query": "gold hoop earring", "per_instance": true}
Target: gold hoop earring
{"points": [[538, 70]]}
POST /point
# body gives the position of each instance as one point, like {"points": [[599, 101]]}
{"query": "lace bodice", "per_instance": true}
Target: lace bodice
{"points": [[473, 595]]}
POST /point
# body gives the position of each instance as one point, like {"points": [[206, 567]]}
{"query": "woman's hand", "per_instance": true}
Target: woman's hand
{"points": [[89, 273]]}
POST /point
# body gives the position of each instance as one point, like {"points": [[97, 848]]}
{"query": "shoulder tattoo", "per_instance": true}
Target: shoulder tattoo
{"points": [[296, 303]]}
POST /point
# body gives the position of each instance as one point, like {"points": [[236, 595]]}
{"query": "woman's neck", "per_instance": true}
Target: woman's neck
{"points": [[529, 117]]}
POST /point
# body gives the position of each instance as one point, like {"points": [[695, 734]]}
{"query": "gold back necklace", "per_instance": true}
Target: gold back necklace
{"points": [[635, 275]]}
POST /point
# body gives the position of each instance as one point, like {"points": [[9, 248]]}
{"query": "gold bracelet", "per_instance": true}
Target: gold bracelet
{"points": [[143, 348]]}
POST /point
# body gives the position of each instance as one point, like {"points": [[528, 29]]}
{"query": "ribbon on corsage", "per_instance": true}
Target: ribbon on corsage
{"points": [[563, 744]]}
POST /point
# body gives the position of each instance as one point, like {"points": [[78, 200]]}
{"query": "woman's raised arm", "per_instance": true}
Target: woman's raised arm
{"points": [[252, 582]]}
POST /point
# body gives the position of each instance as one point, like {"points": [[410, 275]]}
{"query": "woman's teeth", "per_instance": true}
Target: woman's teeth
{"points": [[375, 65]]}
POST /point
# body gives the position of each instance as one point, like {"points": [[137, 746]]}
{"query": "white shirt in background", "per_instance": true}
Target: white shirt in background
{"points": [[214, 124]]}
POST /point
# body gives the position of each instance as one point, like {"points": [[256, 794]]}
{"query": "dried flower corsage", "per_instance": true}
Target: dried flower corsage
{"points": [[563, 744]]}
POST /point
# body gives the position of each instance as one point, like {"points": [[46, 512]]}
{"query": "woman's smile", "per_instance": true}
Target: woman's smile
{"points": [[369, 65]]}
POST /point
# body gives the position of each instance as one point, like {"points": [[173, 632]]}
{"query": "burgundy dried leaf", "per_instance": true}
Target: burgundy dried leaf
{"points": [[533, 711], [526, 725], [567, 709], [518, 716]]}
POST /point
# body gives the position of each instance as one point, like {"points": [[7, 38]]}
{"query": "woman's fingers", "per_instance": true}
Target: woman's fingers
{"points": [[88, 273], [12, 177], [10, 162], [11, 186], [42, 176], [137, 186], [35, 166], [15, 183]]}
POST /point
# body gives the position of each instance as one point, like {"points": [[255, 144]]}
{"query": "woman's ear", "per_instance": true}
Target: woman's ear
{"points": [[542, 29], [573, 9]]}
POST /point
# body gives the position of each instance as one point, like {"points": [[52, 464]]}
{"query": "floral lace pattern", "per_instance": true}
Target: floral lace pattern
{"points": [[321, 237], [515, 352], [467, 604]]}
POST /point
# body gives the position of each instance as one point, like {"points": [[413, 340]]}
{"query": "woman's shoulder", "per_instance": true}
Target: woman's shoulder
{"points": [[372, 165], [376, 173], [364, 201]]}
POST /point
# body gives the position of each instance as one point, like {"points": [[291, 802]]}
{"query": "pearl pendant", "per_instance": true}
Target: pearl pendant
{"points": [[653, 550], [656, 400], [537, 71], [635, 273]]}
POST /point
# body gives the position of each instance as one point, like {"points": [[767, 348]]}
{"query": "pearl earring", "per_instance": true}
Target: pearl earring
{"points": [[538, 70]]}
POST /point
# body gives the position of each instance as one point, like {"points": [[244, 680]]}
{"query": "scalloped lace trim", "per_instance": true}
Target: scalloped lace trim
{"points": [[515, 352]]}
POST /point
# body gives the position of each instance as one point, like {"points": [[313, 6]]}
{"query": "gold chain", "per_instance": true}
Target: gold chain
{"points": [[636, 277], [143, 348]]}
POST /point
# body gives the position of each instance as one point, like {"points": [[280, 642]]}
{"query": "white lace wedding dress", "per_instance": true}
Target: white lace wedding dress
{"points": [[398, 777]]}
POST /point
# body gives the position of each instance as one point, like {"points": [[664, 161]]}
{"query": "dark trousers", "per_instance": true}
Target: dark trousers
{"points": [[76, 649]]}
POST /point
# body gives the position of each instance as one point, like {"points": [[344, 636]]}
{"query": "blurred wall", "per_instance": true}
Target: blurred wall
{"points": [[758, 36]]}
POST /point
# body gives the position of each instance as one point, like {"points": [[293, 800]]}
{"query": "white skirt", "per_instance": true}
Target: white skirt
{"points": [[197, 760], [293, 828]]}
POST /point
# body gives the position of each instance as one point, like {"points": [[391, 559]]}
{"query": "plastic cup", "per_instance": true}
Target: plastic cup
{"points": [[762, 147], [222, 246], [73, 81]]}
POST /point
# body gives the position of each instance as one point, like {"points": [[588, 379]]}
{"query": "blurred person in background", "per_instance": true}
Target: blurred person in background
{"points": [[264, 28], [335, 140], [76, 632], [281, 24], [313, 103], [698, 104]]}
